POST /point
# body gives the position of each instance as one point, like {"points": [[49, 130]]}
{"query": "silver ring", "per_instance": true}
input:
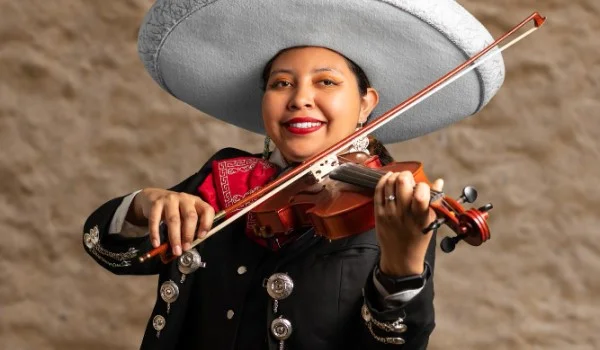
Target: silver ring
{"points": [[391, 198]]}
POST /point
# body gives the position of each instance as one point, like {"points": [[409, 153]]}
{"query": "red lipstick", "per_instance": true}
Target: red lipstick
{"points": [[303, 125]]}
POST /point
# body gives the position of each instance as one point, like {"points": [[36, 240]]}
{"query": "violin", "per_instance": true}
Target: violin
{"points": [[329, 165], [342, 204]]}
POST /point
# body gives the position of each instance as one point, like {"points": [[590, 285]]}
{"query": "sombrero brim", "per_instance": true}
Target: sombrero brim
{"points": [[210, 54]]}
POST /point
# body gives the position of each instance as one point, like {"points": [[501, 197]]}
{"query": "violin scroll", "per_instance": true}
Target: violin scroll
{"points": [[469, 225]]}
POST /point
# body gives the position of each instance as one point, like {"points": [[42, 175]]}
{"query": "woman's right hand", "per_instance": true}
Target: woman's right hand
{"points": [[181, 212]]}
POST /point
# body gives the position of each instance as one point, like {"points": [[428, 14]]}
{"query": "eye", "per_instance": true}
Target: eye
{"points": [[280, 84], [328, 82]]}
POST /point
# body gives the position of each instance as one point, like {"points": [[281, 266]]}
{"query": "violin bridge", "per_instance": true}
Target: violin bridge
{"points": [[321, 169]]}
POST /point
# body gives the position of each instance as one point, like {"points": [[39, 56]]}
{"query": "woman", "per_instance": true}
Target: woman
{"points": [[245, 289]]}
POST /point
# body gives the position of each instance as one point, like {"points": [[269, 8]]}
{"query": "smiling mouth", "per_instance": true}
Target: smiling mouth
{"points": [[301, 128]]}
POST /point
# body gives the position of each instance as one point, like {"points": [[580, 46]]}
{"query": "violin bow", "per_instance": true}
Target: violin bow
{"points": [[320, 164]]}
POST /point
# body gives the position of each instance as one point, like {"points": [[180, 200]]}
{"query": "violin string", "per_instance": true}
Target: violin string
{"points": [[354, 176], [345, 174], [380, 173], [363, 176]]}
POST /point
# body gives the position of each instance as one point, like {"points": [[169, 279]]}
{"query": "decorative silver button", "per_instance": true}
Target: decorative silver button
{"points": [[280, 286], [366, 314], [242, 270], [95, 235], [399, 327], [169, 291], [230, 314], [190, 261], [158, 322], [395, 340], [281, 328], [87, 240]]}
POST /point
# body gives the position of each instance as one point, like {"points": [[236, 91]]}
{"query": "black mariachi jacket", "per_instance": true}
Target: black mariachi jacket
{"points": [[225, 305]]}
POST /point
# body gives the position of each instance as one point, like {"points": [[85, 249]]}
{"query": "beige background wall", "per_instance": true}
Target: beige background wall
{"points": [[81, 122]]}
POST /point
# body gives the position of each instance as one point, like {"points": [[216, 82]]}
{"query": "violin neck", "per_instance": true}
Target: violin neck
{"points": [[357, 175], [361, 176]]}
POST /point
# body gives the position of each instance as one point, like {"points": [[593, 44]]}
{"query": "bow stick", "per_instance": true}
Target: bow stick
{"points": [[325, 161]]}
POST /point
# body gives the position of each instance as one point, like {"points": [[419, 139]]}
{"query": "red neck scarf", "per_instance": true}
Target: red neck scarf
{"points": [[231, 180]]}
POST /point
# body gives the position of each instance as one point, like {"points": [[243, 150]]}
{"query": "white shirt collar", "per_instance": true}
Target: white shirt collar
{"points": [[277, 159]]}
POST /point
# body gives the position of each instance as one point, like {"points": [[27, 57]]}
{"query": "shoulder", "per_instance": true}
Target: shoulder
{"points": [[231, 152]]}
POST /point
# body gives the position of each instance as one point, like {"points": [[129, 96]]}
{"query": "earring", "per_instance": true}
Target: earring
{"points": [[360, 144], [266, 147]]}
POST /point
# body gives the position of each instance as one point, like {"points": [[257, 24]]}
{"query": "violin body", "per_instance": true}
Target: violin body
{"points": [[334, 208]]}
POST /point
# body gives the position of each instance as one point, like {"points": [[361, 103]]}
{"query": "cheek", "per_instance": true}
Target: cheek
{"points": [[269, 109], [342, 113], [271, 114]]}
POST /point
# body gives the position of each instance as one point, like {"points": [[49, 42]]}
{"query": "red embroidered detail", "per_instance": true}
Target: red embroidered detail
{"points": [[234, 179]]}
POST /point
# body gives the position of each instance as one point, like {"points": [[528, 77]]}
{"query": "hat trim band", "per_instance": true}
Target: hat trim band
{"points": [[151, 42]]}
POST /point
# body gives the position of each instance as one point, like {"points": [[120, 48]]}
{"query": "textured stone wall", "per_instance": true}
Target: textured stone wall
{"points": [[81, 122]]}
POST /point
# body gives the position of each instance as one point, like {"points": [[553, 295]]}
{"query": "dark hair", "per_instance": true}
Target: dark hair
{"points": [[361, 77], [375, 147]]}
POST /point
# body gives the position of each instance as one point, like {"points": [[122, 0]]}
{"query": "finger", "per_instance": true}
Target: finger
{"points": [[190, 220], [390, 191], [379, 198], [173, 219], [420, 203], [154, 221], [438, 185], [206, 219], [404, 189]]}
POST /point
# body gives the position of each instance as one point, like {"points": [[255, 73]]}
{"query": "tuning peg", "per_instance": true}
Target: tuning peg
{"points": [[486, 207], [469, 195], [437, 223], [449, 243]]}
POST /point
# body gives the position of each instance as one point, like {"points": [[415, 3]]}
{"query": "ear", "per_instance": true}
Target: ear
{"points": [[368, 103]]}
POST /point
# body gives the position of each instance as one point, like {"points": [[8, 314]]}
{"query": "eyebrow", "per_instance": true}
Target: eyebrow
{"points": [[289, 71]]}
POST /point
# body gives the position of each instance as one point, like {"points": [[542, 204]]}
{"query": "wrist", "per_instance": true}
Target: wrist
{"points": [[395, 284], [401, 267], [135, 214]]}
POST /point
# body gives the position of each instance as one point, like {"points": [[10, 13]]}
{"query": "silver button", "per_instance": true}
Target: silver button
{"points": [[190, 261], [366, 314], [95, 234], [230, 314], [396, 340], [400, 327], [169, 291], [281, 328], [158, 322], [242, 270], [280, 286], [87, 240]]}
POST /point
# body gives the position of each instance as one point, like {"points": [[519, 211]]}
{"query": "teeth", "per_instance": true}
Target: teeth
{"points": [[304, 125]]}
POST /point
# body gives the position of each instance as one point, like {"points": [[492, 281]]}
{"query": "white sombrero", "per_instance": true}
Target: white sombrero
{"points": [[210, 54]]}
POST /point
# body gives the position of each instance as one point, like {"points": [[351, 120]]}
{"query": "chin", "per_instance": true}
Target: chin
{"points": [[299, 156]]}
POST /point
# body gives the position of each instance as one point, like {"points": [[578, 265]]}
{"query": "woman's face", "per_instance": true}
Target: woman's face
{"points": [[312, 101]]}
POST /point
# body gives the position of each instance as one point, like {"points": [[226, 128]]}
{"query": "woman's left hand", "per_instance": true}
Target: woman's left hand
{"points": [[401, 213]]}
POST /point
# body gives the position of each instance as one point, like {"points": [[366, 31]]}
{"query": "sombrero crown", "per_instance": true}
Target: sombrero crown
{"points": [[210, 54]]}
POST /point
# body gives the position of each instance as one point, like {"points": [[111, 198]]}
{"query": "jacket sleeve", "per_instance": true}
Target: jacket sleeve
{"points": [[117, 253], [393, 324]]}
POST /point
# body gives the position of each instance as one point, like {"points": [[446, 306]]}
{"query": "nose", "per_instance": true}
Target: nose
{"points": [[301, 98]]}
